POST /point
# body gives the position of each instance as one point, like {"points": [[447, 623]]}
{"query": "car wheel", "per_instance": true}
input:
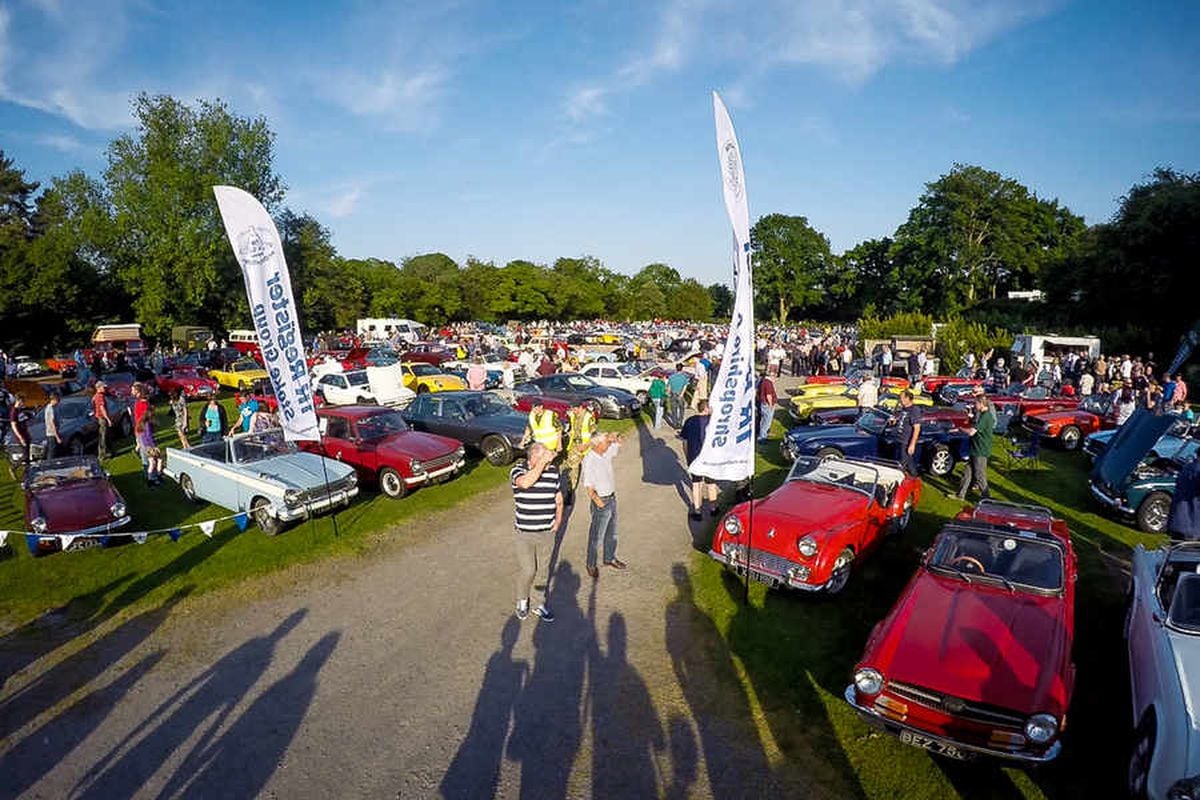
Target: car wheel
{"points": [[75, 446], [188, 488], [496, 450], [841, 572], [422, 389], [266, 520], [1070, 438], [126, 426], [1141, 756], [1152, 513], [391, 484], [826, 453], [941, 463]]}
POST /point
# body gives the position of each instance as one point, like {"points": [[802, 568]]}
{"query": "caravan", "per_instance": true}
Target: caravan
{"points": [[386, 329]]}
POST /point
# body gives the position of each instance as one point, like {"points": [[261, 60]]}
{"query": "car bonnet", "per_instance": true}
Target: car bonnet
{"points": [[1129, 446], [299, 470]]}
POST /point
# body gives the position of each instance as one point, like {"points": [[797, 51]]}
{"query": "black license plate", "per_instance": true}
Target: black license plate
{"points": [[935, 746]]}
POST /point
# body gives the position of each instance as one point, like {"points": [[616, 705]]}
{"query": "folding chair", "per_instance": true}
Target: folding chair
{"points": [[1028, 454]]}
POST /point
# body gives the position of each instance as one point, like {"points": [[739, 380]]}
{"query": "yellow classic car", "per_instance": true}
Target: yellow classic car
{"points": [[802, 407], [239, 375], [810, 390], [422, 377]]}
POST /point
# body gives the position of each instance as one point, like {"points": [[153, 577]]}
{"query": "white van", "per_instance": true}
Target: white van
{"points": [[384, 328]]}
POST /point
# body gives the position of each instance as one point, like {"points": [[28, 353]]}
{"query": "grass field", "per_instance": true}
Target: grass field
{"points": [[795, 652]]}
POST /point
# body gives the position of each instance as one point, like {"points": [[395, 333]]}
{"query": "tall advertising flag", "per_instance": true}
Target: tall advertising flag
{"points": [[728, 452], [259, 251]]}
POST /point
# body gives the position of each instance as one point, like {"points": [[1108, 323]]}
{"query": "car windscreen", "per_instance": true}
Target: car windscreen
{"points": [[62, 470], [847, 474], [378, 426], [628, 370], [249, 449], [873, 422], [1095, 405], [580, 382], [357, 378], [244, 366], [1012, 558], [486, 405], [425, 369], [1184, 612]]}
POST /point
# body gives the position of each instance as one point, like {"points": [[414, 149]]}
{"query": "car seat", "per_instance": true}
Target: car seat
{"points": [[1035, 565]]}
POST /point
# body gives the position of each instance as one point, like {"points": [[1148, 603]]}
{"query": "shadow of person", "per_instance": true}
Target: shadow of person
{"points": [[547, 723], [734, 758], [197, 711], [243, 759], [82, 667], [626, 731], [684, 758], [661, 465], [475, 770], [26, 763]]}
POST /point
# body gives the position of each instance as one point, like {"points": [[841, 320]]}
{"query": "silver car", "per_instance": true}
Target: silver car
{"points": [[1163, 633]]}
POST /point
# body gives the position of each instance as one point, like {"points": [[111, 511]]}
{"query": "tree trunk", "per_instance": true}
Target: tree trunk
{"points": [[783, 310]]}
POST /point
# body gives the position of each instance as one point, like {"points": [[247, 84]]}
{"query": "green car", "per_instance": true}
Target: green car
{"points": [[1133, 480]]}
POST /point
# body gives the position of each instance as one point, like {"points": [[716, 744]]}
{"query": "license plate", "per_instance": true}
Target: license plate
{"points": [[934, 746], [758, 577]]}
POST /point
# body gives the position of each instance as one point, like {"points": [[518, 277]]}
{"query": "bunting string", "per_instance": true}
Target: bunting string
{"points": [[32, 539]]}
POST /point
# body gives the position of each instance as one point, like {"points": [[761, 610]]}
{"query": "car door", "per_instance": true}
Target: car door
{"points": [[338, 440], [454, 421], [557, 386], [1144, 626]]}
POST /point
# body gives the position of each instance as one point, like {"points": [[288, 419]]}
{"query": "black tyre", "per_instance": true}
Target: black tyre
{"points": [[264, 517], [1070, 438], [391, 484], [841, 572], [941, 461], [496, 450], [1141, 756], [1153, 512], [826, 453], [188, 488]]}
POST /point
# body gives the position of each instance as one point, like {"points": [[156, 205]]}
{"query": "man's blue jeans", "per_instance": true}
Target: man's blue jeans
{"points": [[768, 416], [603, 528], [658, 412]]}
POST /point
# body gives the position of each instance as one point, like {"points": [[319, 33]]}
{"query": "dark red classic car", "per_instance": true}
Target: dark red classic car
{"points": [[561, 408], [71, 496], [1033, 399], [934, 383], [429, 353], [384, 450], [975, 656], [195, 384], [349, 357], [1071, 426], [808, 533]]}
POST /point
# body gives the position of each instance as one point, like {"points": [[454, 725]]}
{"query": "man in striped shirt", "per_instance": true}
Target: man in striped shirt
{"points": [[537, 497]]}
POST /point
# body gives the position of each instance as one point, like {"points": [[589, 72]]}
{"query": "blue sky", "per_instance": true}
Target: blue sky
{"points": [[541, 129]]}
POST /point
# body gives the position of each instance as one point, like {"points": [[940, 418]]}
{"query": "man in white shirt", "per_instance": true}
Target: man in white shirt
{"points": [[868, 393], [600, 483]]}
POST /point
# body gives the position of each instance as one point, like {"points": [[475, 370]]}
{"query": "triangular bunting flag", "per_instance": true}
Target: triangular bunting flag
{"points": [[207, 527], [140, 537], [242, 521], [66, 541], [174, 533], [31, 541], [3, 537]]}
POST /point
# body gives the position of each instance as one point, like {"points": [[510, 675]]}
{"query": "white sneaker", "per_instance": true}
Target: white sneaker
{"points": [[546, 614], [523, 608]]}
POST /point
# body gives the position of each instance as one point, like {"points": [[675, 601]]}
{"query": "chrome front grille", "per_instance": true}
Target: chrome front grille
{"points": [[434, 464], [762, 560], [322, 492], [962, 709]]}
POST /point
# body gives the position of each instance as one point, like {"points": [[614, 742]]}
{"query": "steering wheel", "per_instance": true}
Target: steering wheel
{"points": [[970, 560]]}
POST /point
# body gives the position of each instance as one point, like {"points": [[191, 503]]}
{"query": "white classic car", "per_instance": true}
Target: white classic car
{"points": [[620, 376], [1163, 632], [264, 475], [381, 385]]}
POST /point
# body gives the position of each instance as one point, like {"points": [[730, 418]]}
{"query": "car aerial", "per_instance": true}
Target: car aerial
{"points": [[480, 420], [1068, 427], [76, 426], [195, 385], [974, 657], [939, 444], [1176, 437], [70, 496], [1162, 629], [827, 515], [622, 375], [239, 375], [263, 475], [1133, 480], [572, 387], [801, 407], [422, 377], [384, 450]]}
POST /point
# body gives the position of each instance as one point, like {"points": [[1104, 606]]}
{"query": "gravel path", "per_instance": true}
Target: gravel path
{"points": [[409, 676]]}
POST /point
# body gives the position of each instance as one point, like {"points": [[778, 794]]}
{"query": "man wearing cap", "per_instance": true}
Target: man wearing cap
{"points": [[103, 420]]}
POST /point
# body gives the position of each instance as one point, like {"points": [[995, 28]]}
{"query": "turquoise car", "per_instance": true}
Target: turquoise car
{"points": [[1171, 442]]}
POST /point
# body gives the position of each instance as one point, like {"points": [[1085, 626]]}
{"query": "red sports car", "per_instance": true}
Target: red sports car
{"points": [[855, 378], [561, 408], [1033, 399], [1071, 426], [808, 533], [71, 496], [975, 656], [934, 383], [429, 353], [195, 385], [383, 449]]}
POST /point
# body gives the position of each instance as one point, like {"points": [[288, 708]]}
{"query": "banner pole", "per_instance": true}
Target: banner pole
{"points": [[325, 470]]}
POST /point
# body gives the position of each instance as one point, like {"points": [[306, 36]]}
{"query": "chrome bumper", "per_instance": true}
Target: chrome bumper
{"points": [[425, 477], [105, 528], [1115, 503], [775, 578], [290, 514], [877, 720]]}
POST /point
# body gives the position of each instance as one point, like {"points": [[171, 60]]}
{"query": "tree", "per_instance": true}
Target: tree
{"points": [[169, 249], [790, 263], [722, 300], [690, 301]]}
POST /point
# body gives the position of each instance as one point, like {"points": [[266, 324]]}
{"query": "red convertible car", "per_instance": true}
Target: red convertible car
{"points": [[975, 656], [1071, 426], [855, 378], [68, 496], [378, 443], [808, 533], [1033, 399], [934, 383], [195, 386]]}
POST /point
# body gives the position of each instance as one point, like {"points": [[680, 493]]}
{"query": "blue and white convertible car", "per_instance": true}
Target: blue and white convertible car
{"points": [[264, 475], [1163, 632]]}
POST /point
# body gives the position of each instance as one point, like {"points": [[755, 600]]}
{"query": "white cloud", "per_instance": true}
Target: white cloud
{"points": [[343, 203], [63, 143], [401, 99]]}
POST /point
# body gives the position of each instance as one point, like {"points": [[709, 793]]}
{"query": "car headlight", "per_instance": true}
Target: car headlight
{"points": [[417, 466], [459, 452], [868, 681], [1041, 728], [352, 478], [39, 524], [732, 525], [117, 509], [291, 497], [807, 547]]}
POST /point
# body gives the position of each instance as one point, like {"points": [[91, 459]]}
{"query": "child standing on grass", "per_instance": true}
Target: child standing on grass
{"points": [[150, 451]]}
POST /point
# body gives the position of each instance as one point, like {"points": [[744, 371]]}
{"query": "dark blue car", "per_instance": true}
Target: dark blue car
{"points": [[939, 444]]}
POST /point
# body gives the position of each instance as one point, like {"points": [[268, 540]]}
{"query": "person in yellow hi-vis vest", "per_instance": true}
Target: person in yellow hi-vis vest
{"points": [[543, 428], [582, 423]]}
